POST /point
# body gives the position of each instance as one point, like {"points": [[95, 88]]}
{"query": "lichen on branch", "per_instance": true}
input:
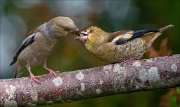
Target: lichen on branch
{"points": [[137, 75]]}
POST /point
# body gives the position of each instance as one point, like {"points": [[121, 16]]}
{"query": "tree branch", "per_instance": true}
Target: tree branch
{"points": [[138, 75]]}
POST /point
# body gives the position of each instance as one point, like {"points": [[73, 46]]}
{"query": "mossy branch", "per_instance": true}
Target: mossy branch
{"points": [[138, 75]]}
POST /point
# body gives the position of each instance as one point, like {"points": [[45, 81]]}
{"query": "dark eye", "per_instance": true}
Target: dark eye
{"points": [[91, 31]]}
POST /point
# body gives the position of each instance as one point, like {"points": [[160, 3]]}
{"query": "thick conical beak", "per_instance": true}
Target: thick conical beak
{"points": [[75, 31], [82, 37]]}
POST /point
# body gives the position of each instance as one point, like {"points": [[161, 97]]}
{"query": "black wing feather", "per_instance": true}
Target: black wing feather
{"points": [[139, 33], [136, 34], [28, 41], [121, 41]]}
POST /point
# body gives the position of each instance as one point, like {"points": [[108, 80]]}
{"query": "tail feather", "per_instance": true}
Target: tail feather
{"points": [[13, 61], [165, 28], [15, 73]]}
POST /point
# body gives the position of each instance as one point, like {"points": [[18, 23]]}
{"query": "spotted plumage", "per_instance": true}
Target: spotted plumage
{"points": [[120, 45]]}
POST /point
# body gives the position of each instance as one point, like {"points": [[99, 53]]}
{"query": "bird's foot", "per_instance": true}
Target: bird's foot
{"points": [[34, 78], [52, 72]]}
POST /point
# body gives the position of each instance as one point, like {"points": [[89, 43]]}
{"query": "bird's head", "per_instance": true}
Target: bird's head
{"points": [[93, 35], [64, 26]]}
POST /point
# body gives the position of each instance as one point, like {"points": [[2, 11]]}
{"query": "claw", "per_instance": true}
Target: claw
{"points": [[34, 78], [51, 72]]}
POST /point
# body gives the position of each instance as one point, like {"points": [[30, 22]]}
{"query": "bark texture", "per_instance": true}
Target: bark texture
{"points": [[138, 75]]}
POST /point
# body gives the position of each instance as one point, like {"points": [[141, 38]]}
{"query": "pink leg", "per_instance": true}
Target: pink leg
{"points": [[32, 77], [51, 72]]}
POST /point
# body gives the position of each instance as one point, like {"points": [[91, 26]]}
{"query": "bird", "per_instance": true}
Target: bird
{"points": [[36, 47], [119, 46]]}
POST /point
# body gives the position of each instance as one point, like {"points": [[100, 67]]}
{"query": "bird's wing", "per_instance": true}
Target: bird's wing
{"points": [[26, 42], [122, 37]]}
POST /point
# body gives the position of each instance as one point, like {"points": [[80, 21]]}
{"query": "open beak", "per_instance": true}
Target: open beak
{"points": [[82, 37], [75, 32]]}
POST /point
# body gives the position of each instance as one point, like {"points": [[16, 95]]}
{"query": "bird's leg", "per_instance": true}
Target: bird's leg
{"points": [[51, 72], [32, 77]]}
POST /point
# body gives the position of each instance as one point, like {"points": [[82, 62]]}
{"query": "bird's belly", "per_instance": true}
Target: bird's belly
{"points": [[112, 54], [34, 55]]}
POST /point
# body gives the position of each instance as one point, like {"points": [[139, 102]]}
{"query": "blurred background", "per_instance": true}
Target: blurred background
{"points": [[18, 17]]}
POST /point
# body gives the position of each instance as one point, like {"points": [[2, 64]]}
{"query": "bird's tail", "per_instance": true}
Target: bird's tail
{"points": [[15, 73], [151, 37], [13, 61], [165, 28]]}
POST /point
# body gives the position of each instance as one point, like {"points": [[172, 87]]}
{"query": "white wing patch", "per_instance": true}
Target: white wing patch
{"points": [[125, 36]]}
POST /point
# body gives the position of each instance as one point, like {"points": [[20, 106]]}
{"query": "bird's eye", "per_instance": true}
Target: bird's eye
{"points": [[91, 31]]}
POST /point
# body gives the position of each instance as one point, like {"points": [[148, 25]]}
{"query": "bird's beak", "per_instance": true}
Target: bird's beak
{"points": [[75, 31], [82, 37]]}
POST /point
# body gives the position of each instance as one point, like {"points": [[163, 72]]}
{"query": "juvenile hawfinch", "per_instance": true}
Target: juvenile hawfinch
{"points": [[121, 45]]}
